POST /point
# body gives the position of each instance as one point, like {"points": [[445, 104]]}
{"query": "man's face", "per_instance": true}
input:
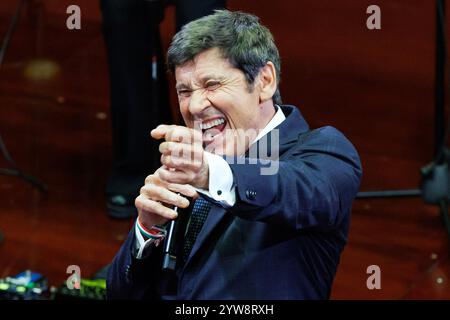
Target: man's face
{"points": [[214, 97]]}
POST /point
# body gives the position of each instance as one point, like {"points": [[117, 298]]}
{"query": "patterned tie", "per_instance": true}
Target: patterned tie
{"points": [[196, 221]]}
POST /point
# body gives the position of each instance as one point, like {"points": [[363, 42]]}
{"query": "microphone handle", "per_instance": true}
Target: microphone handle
{"points": [[169, 256]]}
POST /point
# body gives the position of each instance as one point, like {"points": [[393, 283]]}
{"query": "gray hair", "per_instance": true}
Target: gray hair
{"points": [[240, 37]]}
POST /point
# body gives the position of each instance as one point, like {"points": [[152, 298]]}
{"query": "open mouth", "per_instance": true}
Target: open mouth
{"points": [[211, 128]]}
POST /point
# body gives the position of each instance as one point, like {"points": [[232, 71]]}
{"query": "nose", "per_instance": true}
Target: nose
{"points": [[198, 102]]}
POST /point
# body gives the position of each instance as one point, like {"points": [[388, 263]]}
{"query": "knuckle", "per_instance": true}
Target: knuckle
{"points": [[176, 134], [155, 193], [162, 174], [149, 179], [152, 193], [161, 147], [177, 150], [168, 134], [166, 147], [166, 160], [147, 189], [143, 205], [137, 201]]}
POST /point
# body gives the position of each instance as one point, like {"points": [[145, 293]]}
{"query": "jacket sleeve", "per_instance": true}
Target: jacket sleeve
{"points": [[131, 278], [314, 184]]}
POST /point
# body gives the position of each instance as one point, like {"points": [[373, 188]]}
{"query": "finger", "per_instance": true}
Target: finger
{"points": [[155, 179], [161, 194], [179, 177], [148, 205], [186, 152], [179, 134], [173, 148], [197, 136], [150, 179], [160, 131], [181, 163], [197, 133], [184, 189]]}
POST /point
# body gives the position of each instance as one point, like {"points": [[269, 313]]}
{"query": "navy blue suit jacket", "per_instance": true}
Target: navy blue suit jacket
{"points": [[281, 240]]}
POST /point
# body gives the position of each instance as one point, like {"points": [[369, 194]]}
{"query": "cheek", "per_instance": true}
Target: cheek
{"points": [[183, 103], [245, 117], [184, 110], [216, 99]]}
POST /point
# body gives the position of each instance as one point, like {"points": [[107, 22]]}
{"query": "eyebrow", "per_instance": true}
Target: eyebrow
{"points": [[181, 86]]}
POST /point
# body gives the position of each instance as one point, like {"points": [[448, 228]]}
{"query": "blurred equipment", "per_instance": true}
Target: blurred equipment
{"points": [[30, 285], [89, 290], [435, 176], [436, 184], [27, 285], [435, 181], [15, 171]]}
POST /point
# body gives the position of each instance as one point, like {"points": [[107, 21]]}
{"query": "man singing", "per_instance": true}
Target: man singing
{"points": [[267, 199]]}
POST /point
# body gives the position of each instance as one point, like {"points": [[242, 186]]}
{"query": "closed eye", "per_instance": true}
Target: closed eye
{"points": [[212, 85], [184, 93]]}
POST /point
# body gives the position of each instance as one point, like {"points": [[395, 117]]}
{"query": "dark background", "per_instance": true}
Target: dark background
{"points": [[376, 86]]}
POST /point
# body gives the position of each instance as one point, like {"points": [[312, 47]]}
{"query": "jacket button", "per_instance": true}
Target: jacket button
{"points": [[127, 273], [250, 194]]}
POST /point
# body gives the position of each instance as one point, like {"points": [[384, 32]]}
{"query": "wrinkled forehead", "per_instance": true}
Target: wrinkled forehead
{"points": [[207, 63]]}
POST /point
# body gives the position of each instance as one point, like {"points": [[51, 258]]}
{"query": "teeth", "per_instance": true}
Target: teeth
{"points": [[209, 125]]}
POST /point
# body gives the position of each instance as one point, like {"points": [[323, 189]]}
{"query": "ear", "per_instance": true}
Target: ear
{"points": [[268, 82]]}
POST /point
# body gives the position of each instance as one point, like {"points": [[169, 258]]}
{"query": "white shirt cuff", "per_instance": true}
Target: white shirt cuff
{"points": [[221, 182], [140, 243]]}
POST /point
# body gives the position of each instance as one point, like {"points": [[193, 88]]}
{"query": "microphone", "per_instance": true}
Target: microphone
{"points": [[174, 237], [169, 253]]}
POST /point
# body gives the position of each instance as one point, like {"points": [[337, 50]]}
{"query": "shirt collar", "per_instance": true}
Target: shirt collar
{"points": [[277, 119]]}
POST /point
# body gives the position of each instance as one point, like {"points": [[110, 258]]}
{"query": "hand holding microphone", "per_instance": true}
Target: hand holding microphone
{"points": [[156, 199], [182, 156], [184, 167]]}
